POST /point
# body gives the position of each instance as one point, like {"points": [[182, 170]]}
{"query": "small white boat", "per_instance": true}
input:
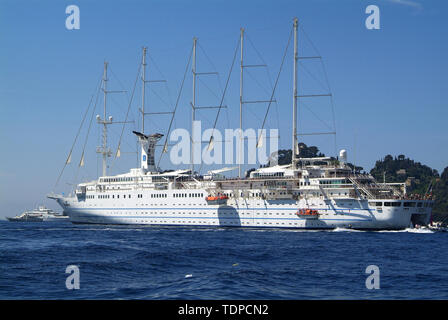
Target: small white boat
{"points": [[39, 215]]}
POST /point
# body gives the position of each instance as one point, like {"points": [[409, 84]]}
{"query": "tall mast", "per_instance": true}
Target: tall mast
{"points": [[143, 88], [240, 152], [193, 105], [294, 104], [103, 149], [104, 121]]}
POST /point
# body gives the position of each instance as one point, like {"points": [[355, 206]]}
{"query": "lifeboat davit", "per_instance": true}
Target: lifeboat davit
{"points": [[218, 199], [307, 213]]}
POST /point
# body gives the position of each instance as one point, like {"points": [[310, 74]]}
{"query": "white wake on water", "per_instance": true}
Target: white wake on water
{"points": [[345, 230], [411, 230]]}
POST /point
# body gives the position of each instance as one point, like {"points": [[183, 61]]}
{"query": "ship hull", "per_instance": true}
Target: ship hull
{"points": [[351, 213], [28, 219]]}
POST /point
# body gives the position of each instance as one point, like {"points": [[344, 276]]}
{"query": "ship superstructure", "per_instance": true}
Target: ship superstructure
{"points": [[311, 193]]}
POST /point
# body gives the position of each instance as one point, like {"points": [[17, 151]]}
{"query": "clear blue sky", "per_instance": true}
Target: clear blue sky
{"points": [[389, 85]]}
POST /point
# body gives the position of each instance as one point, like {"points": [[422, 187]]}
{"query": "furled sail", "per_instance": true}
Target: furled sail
{"points": [[69, 159], [81, 163], [211, 143]]}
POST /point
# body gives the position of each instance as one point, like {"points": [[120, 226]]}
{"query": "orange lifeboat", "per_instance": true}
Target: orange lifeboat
{"points": [[218, 199], [307, 213]]}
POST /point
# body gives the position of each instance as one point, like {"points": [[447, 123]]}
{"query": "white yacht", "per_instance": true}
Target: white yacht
{"points": [[40, 214], [308, 193]]}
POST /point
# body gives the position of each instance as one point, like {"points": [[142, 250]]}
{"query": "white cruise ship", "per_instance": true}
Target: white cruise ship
{"points": [[308, 193]]}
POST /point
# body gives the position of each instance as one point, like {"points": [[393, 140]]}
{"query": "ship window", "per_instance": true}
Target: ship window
{"points": [[409, 204], [392, 204], [419, 204]]}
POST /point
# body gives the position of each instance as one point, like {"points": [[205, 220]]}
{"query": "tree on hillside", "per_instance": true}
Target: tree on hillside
{"points": [[440, 192], [402, 169]]}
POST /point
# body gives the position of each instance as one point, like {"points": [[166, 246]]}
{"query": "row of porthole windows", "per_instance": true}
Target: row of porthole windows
{"points": [[215, 222], [107, 196], [158, 195], [153, 195], [204, 213], [398, 204], [122, 179], [188, 195], [208, 222], [193, 195], [224, 222]]}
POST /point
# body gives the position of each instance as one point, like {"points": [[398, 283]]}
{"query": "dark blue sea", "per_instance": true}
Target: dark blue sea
{"points": [[218, 263]]}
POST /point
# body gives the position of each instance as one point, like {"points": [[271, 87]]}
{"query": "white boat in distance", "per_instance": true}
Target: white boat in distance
{"points": [[270, 197], [41, 214]]}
